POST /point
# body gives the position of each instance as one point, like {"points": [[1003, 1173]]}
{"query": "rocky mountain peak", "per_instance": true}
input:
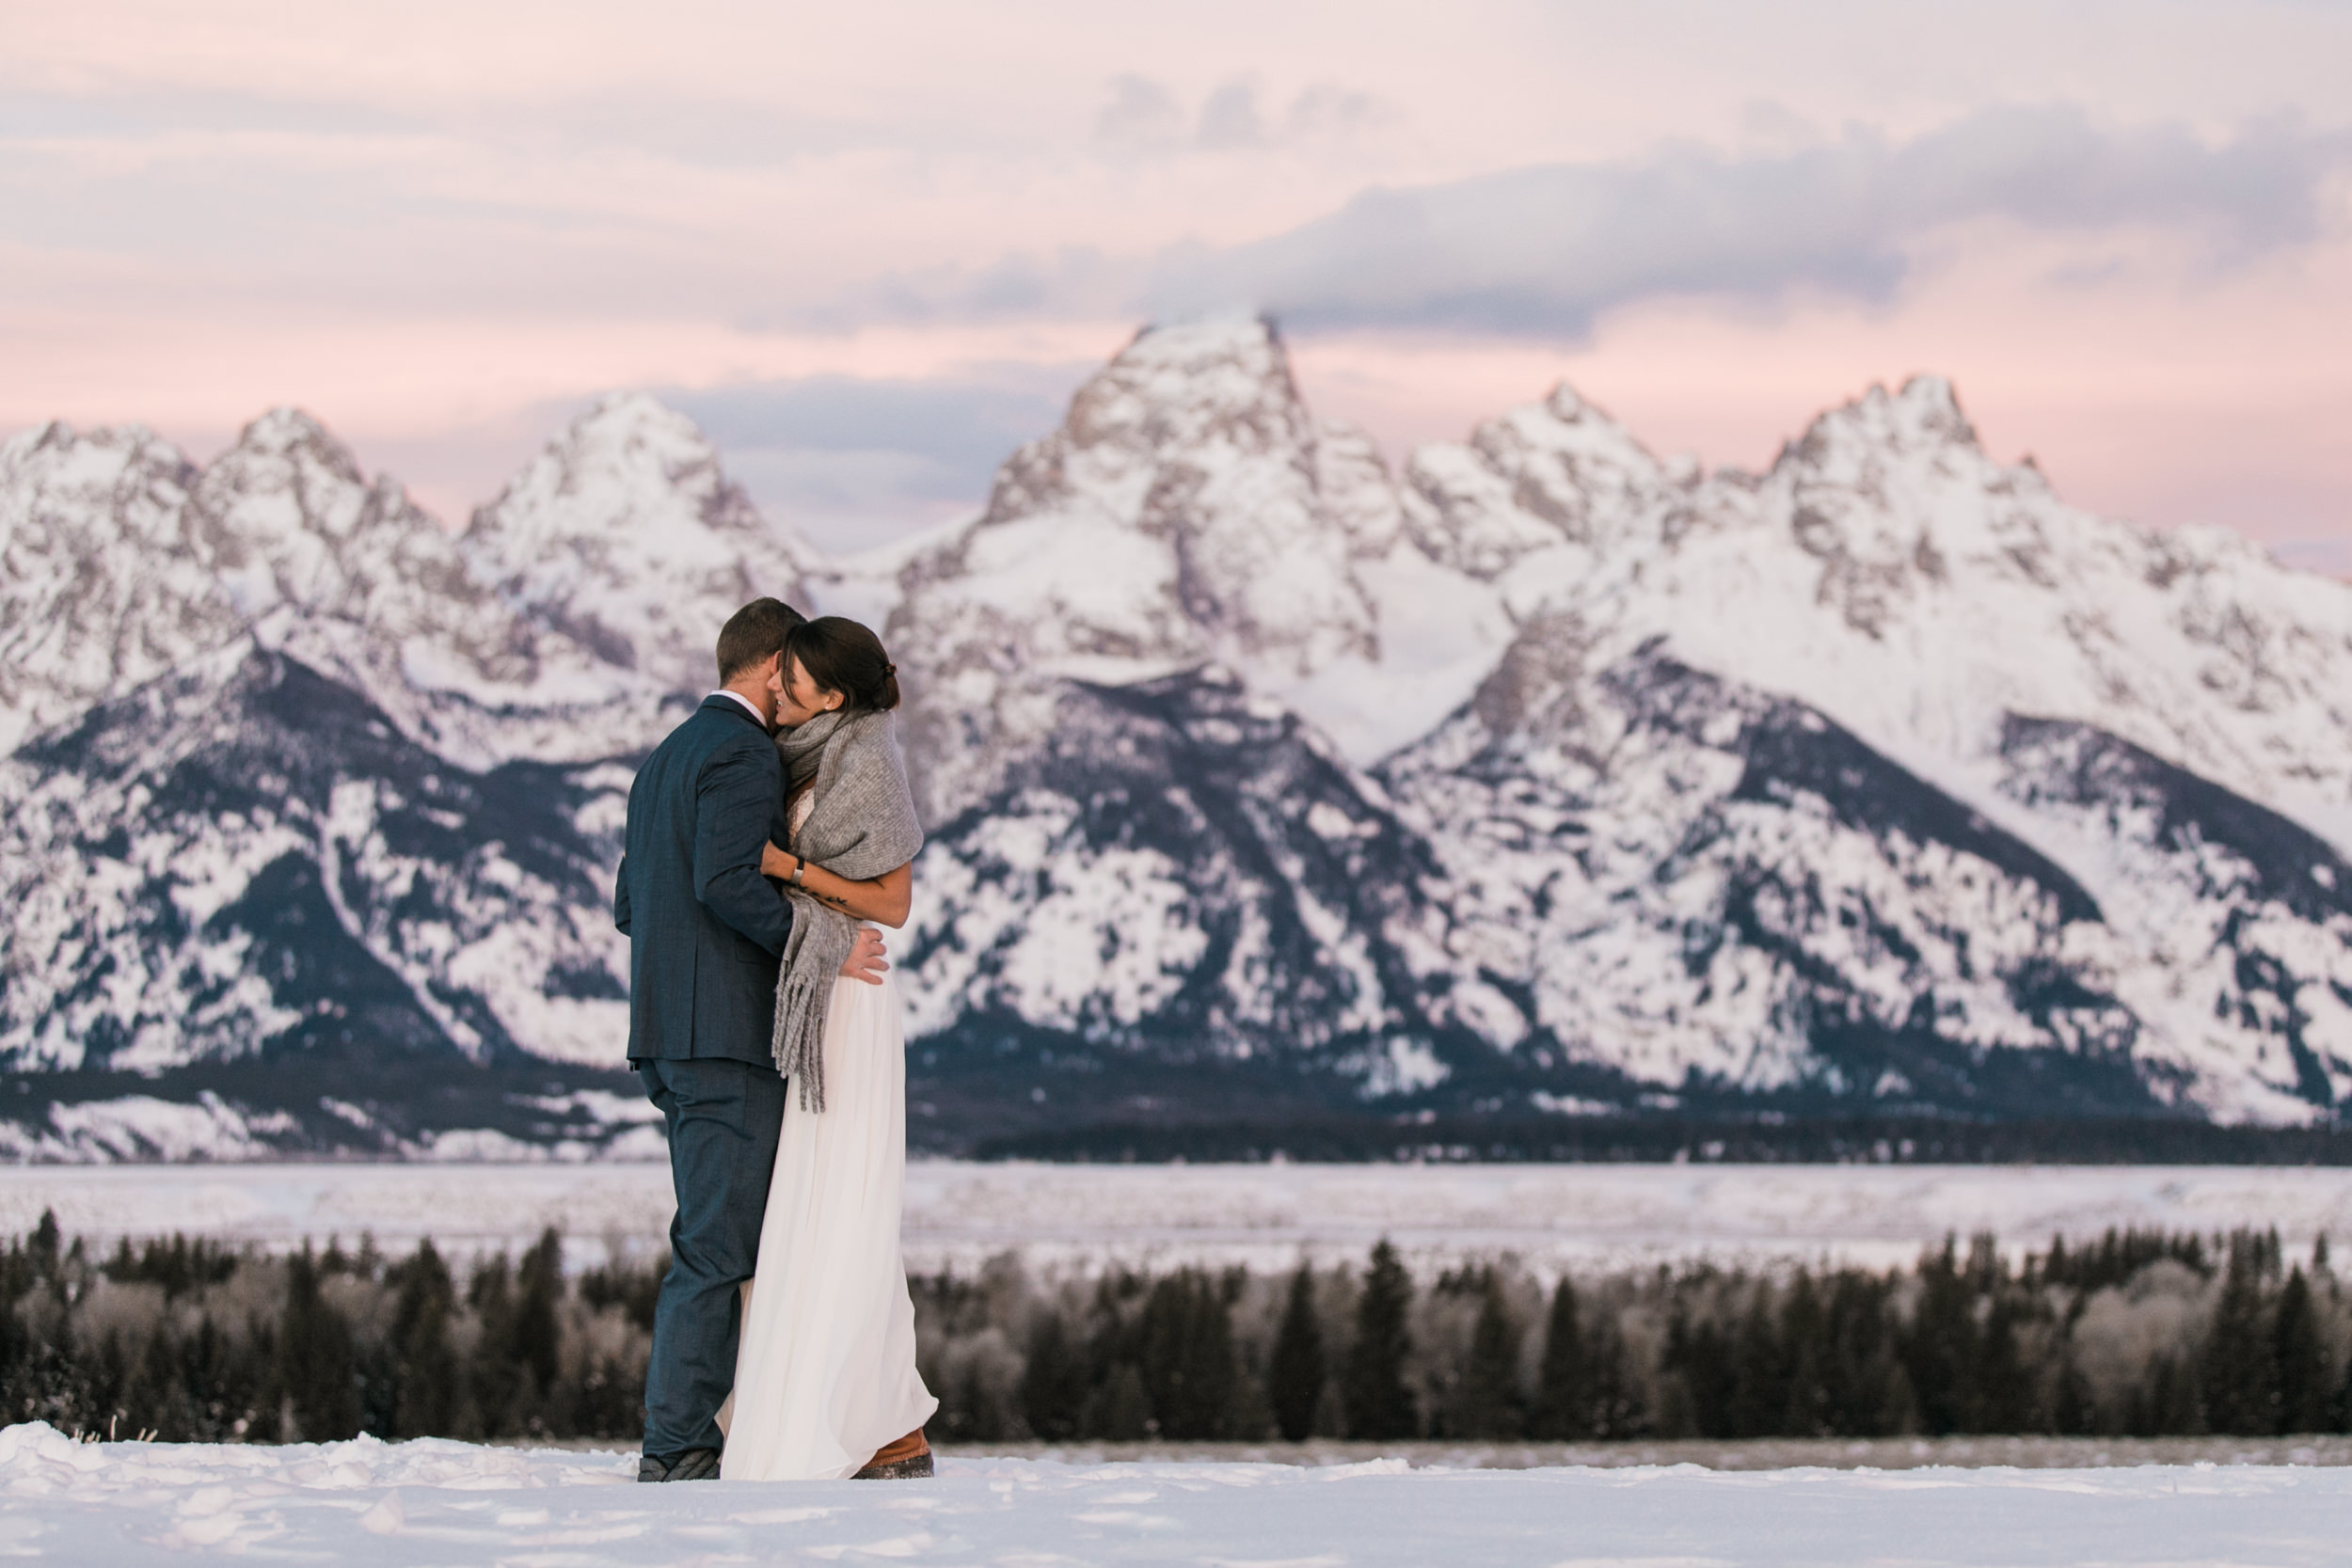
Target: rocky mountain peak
{"points": [[288, 517], [287, 429], [1923, 421], [1545, 474], [1188, 509], [626, 535], [628, 461], [1192, 388], [100, 588], [119, 483], [1190, 463]]}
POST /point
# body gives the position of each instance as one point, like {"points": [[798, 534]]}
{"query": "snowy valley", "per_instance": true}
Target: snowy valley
{"points": [[1534, 778]]}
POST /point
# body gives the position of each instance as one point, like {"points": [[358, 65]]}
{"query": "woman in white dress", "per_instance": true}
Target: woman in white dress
{"points": [[825, 1383]]}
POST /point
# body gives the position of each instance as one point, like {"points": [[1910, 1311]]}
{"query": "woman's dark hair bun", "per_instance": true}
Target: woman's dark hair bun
{"points": [[842, 655]]}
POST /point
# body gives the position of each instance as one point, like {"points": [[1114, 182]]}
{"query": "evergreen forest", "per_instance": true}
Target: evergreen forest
{"points": [[2140, 1333]]}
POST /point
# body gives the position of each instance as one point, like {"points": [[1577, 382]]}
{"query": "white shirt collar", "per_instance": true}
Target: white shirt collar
{"points": [[748, 706]]}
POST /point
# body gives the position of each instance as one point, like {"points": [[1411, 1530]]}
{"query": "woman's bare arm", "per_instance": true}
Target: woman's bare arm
{"points": [[883, 899]]}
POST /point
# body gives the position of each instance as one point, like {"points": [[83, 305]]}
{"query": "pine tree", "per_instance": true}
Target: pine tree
{"points": [[1941, 1347], [1491, 1405], [2003, 1395], [1615, 1397], [316, 1366], [1379, 1406], [2301, 1358], [536, 1341], [1295, 1374], [1562, 1393], [1702, 1354], [2240, 1374], [490, 1374], [2072, 1410], [1120, 1410], [156, 1396], [1862, 1391], [1054, 1382], [1187, 1356], [2165, 1404], [44, 1246], [427, 1391], [1760, 1387]]}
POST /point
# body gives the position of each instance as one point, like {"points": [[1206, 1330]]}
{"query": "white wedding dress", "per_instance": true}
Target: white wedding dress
{"points": [[824, 1376]]}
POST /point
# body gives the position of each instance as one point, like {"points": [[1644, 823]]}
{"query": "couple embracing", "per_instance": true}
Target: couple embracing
{"points": [[768, 836]]}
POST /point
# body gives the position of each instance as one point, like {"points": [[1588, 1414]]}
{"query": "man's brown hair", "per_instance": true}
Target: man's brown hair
{"points": [[753, 635]]}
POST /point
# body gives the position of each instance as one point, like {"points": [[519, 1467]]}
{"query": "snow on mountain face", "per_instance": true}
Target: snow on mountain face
{"points": [[287, 520], [2240, 921], [626, 537], [1544, 773], [1558, 471], [1712, 889], [99, 590], [1735, 807], [298, 864], [1890, 571], [1189, 509], [1893, 579], [246, 865], [1182, 872], [357, 814], [348, 575]]}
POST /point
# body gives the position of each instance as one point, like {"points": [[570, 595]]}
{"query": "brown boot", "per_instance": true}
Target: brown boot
{"points": [[908, 1459]]}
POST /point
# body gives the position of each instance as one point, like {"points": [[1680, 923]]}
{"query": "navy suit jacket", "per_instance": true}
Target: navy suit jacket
{"points": [[706, 929]]}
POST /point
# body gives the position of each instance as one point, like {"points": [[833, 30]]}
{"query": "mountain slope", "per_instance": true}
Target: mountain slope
{"points": [[100, 587], [1889, 575], [1540, 778], [1188, 510], [246, 865], [625, 537]]}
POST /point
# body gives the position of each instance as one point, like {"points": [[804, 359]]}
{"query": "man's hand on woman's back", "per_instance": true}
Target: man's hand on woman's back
{"points": [[865, 959]]}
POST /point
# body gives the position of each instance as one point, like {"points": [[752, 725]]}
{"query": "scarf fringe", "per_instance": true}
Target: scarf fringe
{"points": [[801, 1056]]}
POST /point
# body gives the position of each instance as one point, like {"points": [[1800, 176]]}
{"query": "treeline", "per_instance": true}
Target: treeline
{"points": [[2144, 1334], [191, 1342], [1439, 1136]]}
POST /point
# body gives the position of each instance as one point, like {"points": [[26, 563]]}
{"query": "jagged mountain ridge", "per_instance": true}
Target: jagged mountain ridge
{"points": [[245, 866], [124, 560], [1891, 577], [1887, 580], [1539, 774]]}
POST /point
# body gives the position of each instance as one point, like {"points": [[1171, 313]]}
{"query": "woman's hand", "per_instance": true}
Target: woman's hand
{"points": [[776, 863]]}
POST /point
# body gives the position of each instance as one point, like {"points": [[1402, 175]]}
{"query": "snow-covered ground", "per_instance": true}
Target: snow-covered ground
{"points": [[375, 1505], [1587, 1216]]}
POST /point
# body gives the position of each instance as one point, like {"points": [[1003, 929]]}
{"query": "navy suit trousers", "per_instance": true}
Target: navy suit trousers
{"points": [[725, 1117]]}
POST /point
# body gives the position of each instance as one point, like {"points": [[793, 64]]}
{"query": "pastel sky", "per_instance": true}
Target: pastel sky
{"points": [[872, 248]]}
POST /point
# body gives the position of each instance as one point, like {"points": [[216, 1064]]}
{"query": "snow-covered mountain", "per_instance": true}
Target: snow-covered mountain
{"points": [[625, 537], [101, 587], [1534, 776], [1950, 615]]}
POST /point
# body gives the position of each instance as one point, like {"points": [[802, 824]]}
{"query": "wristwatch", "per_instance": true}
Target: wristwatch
{"points": [[798, 865]]}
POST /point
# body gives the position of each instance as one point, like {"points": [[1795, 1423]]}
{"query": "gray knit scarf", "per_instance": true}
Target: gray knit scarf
{"points": [[861, 825]]}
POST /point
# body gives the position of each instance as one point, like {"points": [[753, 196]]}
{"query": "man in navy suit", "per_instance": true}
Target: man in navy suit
{"points": [[705, 932]]}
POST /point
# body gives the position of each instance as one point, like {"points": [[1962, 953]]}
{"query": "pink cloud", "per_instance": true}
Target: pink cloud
{"points": [[440, 226]]}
